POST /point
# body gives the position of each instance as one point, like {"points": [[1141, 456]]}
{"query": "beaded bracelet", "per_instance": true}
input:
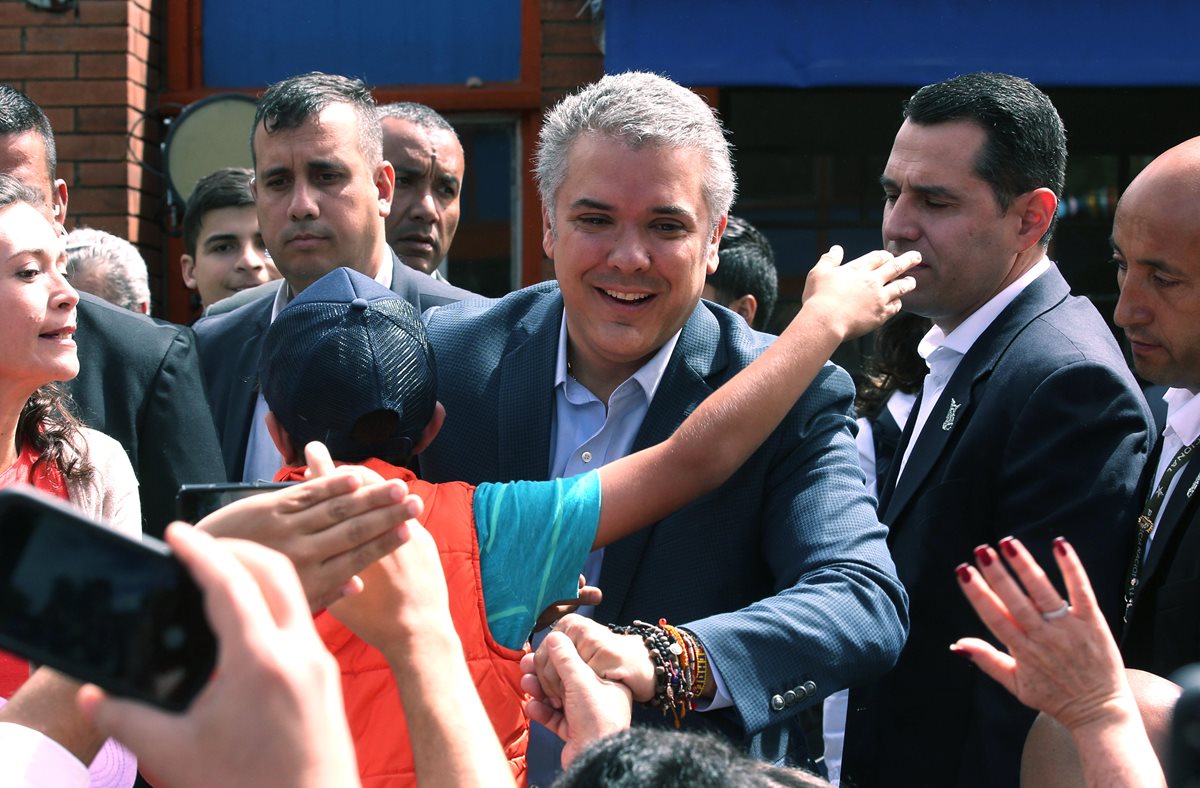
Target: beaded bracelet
{"points": [[700, 672], [672, 693]]}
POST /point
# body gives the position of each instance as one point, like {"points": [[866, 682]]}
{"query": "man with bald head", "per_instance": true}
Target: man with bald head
{"points": [[1156, 247]]}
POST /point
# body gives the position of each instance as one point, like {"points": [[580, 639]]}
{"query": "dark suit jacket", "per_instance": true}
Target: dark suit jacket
{"points": [[1163, 633], [139, 381], [782, 572], [1041, 432], [230, 344]]}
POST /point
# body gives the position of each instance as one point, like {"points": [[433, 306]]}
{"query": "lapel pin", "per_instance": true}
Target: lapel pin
{"points": [[948, 423]]}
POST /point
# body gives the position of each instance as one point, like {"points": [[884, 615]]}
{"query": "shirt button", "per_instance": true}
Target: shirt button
{"points": [[586, 456]]}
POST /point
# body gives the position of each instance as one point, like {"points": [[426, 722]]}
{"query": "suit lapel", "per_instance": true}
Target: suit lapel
{"points": [[527, 387], [948, 412], [952, 411], [684, 385], [887, 485]]}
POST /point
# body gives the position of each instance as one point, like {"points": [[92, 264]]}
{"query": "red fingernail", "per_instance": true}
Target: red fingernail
{"points": [[984, 555], [1009, 548], [1060, 546], [963, 575]]}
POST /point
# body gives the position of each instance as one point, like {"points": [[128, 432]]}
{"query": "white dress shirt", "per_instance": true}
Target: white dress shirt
{"points": [[943, 352], [1183, 427], [263, 460]]}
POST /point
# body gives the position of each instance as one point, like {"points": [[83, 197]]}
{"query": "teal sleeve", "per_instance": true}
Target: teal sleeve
{"points": [[533, 540]]}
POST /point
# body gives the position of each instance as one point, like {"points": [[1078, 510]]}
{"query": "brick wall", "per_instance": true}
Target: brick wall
{"points": [[570, 57], [95, 69]]}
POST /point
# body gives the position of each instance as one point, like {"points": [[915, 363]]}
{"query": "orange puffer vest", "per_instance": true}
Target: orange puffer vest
{"points": [[372, 701]]}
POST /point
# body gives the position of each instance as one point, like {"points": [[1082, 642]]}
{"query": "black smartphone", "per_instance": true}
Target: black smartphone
{"points": [[99, 606], [196, 501]]}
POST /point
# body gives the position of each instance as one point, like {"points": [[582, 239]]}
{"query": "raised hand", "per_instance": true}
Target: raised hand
{"points": [[331, 527], [273, 712], [859, 296]]}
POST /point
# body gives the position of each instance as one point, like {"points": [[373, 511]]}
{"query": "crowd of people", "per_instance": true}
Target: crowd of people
{"points": [[545, 531]]}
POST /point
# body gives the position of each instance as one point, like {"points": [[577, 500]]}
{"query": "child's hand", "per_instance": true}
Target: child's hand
{"points": [[404, 597], [860, 296]]}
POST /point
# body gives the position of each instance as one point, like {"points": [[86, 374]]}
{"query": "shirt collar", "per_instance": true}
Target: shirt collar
{"points": [[965, 335], [1183, 414], [648, 377], [283, 296]]}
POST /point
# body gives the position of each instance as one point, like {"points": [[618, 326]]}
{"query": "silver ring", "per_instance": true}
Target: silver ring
{"points": [[1061, 612]]}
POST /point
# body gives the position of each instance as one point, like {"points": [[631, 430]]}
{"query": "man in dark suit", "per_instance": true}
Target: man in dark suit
{"points": [[323, 190], [1029, 423], [782, 574], [1156, 245], [139, 379]]}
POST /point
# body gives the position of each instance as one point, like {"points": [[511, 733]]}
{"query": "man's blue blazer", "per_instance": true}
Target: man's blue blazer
{"points": [[783, 572]]}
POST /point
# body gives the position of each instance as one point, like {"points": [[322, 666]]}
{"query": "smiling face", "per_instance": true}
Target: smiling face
{"points": [[37, 306], [936, 204], [425, 207], [1156, 245], [631, 243], [230, 255], [321, 204]]}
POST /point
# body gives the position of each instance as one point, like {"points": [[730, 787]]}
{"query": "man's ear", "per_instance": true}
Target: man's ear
{"points": [[283, 441], [711, 257], [431, 429], [1037, 209], [187, 270], [385, 181], [747, 307], [547, 233], [58, 202]]}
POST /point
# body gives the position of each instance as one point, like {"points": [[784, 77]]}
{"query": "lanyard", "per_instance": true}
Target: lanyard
{"points": [[1145, 522]]}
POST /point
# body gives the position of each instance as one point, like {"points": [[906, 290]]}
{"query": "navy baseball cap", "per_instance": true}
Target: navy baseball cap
{"points": [[347, 363]]}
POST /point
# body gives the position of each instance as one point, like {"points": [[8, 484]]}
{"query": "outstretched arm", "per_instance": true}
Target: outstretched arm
{"points": [[840, 302]]}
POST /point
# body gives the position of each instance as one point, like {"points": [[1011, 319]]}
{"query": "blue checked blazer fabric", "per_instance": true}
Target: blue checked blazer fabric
{"points": [[783, 572]]}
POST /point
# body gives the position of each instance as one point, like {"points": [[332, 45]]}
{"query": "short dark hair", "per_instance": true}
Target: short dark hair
{"points": [[647, 757], [419, 114], [13, 191], [19, 114], [747, 267], [287, 104], [1026, 146], [228, 187]]}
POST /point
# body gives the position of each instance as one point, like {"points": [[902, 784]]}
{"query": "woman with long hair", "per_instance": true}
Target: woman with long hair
{"points": [[42, 445]]}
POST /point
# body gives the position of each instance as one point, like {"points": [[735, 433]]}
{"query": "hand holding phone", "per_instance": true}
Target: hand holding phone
{"points": [[98, 605], [273, 712]]}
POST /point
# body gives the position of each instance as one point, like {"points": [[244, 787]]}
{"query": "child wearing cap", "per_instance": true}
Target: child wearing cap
{"points": [[347, 363]]}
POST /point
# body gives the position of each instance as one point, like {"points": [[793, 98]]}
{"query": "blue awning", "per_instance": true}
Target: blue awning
{"points": [[775, 43]]}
